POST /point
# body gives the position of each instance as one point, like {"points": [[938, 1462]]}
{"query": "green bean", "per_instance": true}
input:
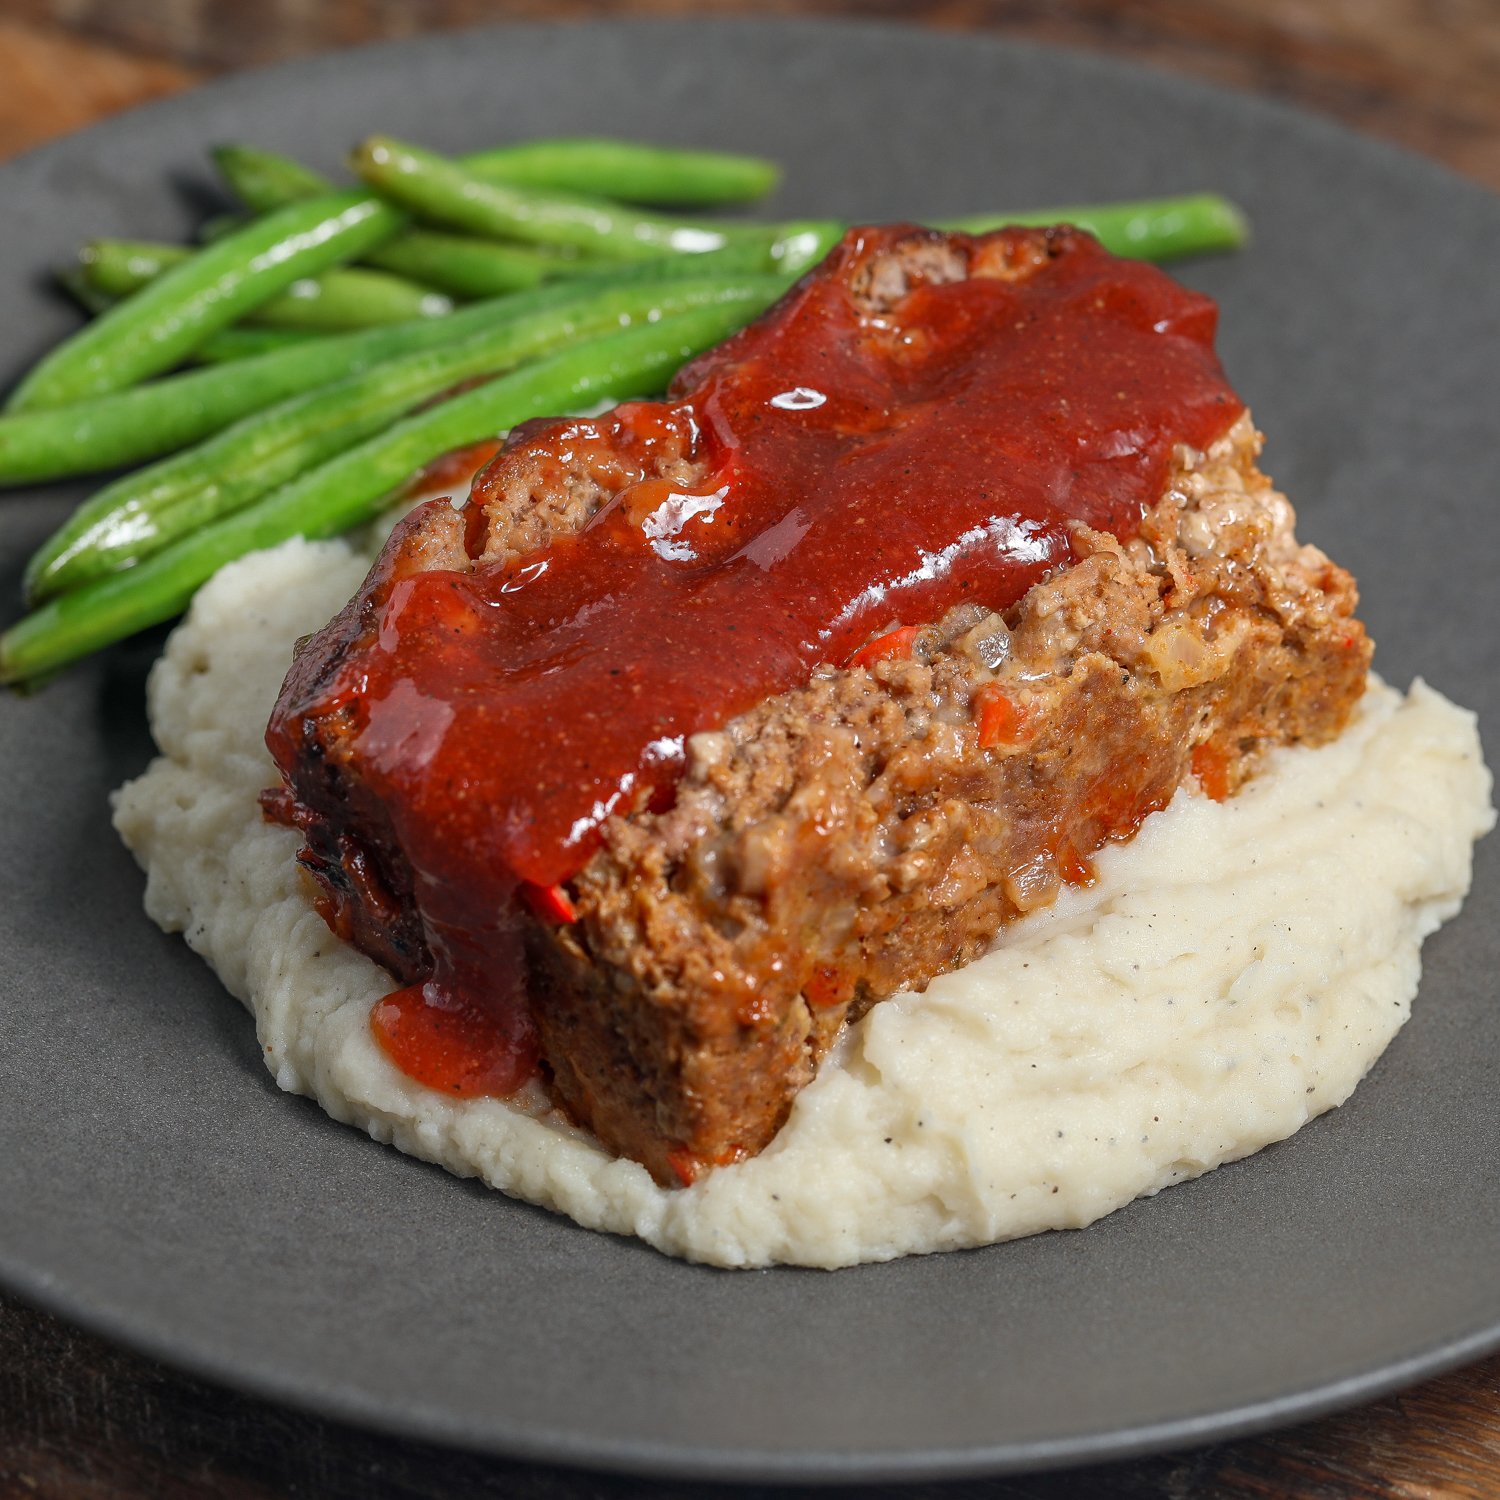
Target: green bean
{"points": [[1149, 229], [788, 249], [355, 486], [458, 264], [466, 267], [128, 426], [335, 301], [351, 298], [784, 250], [344, 301], [155, 329], [629, 172], [267, 180], [436, 188], [623, 170], [244, 342], [142, 512], [116, 268]]}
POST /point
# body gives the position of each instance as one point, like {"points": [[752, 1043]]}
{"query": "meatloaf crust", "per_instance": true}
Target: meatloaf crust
{"points": [[862, 833]]}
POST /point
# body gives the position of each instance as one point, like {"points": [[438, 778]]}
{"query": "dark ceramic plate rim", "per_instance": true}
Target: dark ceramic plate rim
{"points": [[687, 1462], [432, 1423]]}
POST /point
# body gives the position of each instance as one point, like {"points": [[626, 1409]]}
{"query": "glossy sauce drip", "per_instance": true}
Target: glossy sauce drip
{"points": [[852, 471], [455, 1039]]}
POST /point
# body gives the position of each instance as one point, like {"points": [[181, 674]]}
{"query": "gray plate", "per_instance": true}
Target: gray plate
{"points": [[154, 1184]]}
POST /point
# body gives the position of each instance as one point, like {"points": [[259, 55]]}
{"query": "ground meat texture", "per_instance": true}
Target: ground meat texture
{"points": [[864, 831], [854, 838]]}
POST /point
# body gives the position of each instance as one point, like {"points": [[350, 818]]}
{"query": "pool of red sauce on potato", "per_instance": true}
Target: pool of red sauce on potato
{"points": [[858, 474]]}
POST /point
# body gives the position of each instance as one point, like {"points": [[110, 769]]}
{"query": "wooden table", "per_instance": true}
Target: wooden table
{"points": [[80, 1419]]}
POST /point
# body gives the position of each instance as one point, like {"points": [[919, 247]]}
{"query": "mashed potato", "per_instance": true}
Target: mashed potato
{"points": [[1235, 971]]}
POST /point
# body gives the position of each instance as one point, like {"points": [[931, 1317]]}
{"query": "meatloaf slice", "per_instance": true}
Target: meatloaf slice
{"points": [[862, 834], [869, 827]]}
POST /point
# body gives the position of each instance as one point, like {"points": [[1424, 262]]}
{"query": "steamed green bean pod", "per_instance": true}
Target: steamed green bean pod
{"points": [[458, 264], [463, 266], [145, 511], [626, 171], [116, 268], [1146, 229], [356, 485], [337, 300], [350, 298], [228, 343], [266, 180], [157, 328], [444, 191], [244, 341], [630, 172]]}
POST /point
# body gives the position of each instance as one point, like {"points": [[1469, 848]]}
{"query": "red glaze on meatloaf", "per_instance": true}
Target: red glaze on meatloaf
{"points": [[711, 721]]}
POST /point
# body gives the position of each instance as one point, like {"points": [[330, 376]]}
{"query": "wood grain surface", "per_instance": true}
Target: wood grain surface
{"points": [[51, 83], [1423, 72], [82, 1420]]}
